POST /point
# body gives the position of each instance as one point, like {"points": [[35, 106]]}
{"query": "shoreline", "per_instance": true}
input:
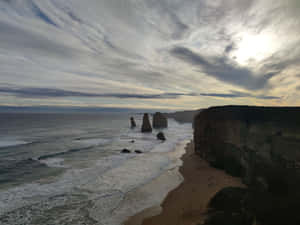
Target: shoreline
{"points": [[187, 203]]}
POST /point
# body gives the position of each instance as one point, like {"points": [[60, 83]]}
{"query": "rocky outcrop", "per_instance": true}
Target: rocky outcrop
{"points": [[262, 146], [231, 205], [161, 136], [132, 123], [146, 126], [159, 121]]}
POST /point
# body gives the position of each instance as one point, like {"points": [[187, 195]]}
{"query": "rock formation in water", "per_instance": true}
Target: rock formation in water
{"points": [[262, 146], [146, 126], [125, 150], [132, 122], [159, 121], [161, 136]]}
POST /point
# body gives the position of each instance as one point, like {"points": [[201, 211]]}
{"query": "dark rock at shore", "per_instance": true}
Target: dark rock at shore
{"points": [[231, 199], [159, 121], [235, 218], [233, 205], [146, 126], [138, 151], [230, 206], [126, 151], [132, 123], [260, 184], [132, 141], [161, 136]]}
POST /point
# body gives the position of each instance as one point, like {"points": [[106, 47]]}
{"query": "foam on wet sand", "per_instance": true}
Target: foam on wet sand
{"points": [[187, 204]]}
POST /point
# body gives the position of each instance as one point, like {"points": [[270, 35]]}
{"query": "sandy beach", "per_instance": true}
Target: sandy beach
{"points": [[187, 204]]}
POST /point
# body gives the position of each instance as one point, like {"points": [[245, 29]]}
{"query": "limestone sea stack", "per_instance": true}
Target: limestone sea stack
{"points": [[132, 122], [159, 121], [146, 126]]}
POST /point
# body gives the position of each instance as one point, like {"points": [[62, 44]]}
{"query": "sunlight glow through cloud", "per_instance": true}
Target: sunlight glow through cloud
{"points": [[148, 48], [254, 47]]}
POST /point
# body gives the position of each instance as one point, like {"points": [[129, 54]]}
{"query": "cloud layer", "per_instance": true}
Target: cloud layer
{"points": [[149, 53], [37, 93]]}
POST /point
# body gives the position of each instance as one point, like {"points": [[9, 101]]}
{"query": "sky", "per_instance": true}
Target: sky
{"points": [[173, 54]]}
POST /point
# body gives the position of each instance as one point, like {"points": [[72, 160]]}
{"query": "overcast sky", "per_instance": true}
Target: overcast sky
{"points": [[177, 54]]}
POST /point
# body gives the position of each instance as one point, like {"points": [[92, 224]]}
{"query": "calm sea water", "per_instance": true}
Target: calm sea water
{"points": [[68, 169]]}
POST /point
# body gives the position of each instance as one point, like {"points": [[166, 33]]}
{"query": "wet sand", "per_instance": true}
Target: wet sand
{"points": [[187, 204]]}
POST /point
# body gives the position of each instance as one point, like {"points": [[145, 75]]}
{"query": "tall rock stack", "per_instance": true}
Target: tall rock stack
{"points": [[146, 127], [132, 122], [159, 121]]}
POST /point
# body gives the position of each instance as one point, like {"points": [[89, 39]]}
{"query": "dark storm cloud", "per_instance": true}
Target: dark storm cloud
{"points": [[59, 93], [222, 69]]}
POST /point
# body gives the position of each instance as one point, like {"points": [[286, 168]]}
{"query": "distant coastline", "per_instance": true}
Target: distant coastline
{"points": [[183, 116]]}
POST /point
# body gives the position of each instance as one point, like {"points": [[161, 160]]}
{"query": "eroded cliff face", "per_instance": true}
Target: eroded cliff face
{"points": [[262, 146], [249, 141]]}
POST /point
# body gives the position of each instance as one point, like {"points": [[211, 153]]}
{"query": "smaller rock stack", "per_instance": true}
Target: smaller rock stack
{"points": [[146, 127], [132, 122], [159, 121], [161, 136]]}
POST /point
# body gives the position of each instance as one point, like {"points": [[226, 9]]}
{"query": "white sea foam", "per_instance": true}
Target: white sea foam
{"points": [[149, 193], [9, 142], [92, 142], [54, 162], [117, 186]]}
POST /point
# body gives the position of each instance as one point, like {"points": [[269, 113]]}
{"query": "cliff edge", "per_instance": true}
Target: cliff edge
{"points": [[262, 146]]}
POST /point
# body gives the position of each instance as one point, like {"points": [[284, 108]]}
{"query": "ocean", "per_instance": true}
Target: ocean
{"points": [[67, 169]]}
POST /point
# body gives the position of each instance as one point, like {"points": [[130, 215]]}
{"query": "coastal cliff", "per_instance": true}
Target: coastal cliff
{"points": [[262, 146], [183, 116], [241, 139]]}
